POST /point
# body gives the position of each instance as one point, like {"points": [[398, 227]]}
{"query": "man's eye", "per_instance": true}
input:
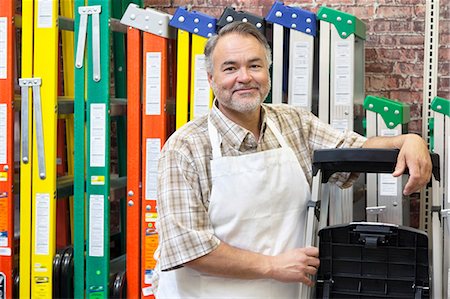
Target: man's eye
{"points": [[255, 66]]}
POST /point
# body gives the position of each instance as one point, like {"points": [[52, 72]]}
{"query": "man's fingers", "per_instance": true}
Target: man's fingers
{"points": [[311, 270], [400, 166], [311, 251]]}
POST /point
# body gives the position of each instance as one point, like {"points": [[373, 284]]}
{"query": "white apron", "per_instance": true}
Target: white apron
{"points": [[258, 203]]}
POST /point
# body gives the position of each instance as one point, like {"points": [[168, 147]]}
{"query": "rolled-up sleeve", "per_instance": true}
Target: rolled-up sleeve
{"points": [[184, 228]]}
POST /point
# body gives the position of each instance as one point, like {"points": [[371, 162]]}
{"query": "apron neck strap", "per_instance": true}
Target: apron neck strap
{"points": [[216, 138], [277, 133]]}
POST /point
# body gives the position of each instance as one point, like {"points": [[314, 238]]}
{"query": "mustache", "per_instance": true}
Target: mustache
{"points": [[239, 87]]}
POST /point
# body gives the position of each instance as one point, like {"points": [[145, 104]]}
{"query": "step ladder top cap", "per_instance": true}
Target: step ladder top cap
{"points": [[393, 112], [148, 20], [87, 10], [194, 22], [441, 105], [293, 17], [345, 23], [230, 14]]}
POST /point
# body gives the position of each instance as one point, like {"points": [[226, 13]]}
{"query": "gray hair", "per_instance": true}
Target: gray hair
{"points": [[242, 28]]}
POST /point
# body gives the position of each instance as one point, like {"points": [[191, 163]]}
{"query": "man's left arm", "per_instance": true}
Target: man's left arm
{"points": [[414, 155]]}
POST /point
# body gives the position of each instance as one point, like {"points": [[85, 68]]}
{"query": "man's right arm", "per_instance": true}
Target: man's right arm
{"points": [[228, 261]]}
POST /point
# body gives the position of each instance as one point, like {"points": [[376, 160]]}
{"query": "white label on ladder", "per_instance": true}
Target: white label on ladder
{"points": [[42, 238], [96, 225], [45, 13], [342, 71], [98, 132], [153, 151], [388, 185], [3, 47], [340, 124], [301, 74], [153, 84], [3, 136], [390, 132], [201, 87]]}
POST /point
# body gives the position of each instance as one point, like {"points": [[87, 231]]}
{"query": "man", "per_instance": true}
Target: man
{"points": [[233, 185]]}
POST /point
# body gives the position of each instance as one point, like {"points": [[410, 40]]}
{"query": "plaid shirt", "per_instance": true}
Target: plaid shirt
{"points": [[184, 181]]}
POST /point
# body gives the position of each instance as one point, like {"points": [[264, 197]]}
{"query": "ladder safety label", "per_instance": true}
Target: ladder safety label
{"points": [[390, 132], [201, 87], [97, 180], [340, 124], [96, 225], [3, 285], [153, 84], [153, 152], [45, 13], [151, 244], [343, 75], [4, 233], [301, 74], [42, 223], [98, 135], [3, 135], [3, 47], [388, 184], [147, 291], [5, 251]]}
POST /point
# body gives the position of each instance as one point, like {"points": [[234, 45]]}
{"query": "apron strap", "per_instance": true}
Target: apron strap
{"points": [[277, 133], [216, 140]]}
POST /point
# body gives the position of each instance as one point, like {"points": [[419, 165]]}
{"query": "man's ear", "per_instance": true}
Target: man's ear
{"points": [[209, 78]]}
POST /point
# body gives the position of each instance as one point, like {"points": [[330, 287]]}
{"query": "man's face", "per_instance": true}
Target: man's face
{"points": [[240, 79]]}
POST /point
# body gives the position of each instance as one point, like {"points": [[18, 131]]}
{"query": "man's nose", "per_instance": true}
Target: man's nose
{"points": [[244, 75]]}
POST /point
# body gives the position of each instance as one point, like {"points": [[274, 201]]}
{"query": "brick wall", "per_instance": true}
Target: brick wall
{"points": [[394, 45]]}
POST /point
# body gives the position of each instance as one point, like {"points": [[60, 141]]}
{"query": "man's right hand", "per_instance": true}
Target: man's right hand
{"points": [[296, 265]]}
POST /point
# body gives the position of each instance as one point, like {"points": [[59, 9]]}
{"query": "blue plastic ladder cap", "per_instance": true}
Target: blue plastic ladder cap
{"points": [[194, 22], [293, 18]]}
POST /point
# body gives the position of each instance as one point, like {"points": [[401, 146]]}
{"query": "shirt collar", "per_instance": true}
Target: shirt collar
{"points": [[231, 132]]}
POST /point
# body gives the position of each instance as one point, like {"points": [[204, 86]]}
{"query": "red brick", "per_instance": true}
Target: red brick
{"points": [[444, 68], [408, 68], [410, 40], [415, 126], [416, 83], [406, 96], [394, 12], [444, 54], [371, 55], [380, 68]]}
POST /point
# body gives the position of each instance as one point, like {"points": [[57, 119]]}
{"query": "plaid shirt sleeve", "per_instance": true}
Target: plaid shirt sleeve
{"points": [[184, 226], [322, 135]]}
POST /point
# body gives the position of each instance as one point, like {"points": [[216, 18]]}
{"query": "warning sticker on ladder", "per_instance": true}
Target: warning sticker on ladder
{"points": [[3, 135], [45, 13], [301, 77], [42, 223], [98, 135], [96, 225], [153, 149], [2, 285], [153, 90], [3, 47], [201, 87]]}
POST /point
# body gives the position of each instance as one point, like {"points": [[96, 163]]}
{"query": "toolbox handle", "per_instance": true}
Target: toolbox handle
{"points": [[362, 160]]}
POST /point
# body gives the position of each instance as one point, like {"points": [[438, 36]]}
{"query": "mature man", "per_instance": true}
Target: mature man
{"points": [[234, 185]]}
